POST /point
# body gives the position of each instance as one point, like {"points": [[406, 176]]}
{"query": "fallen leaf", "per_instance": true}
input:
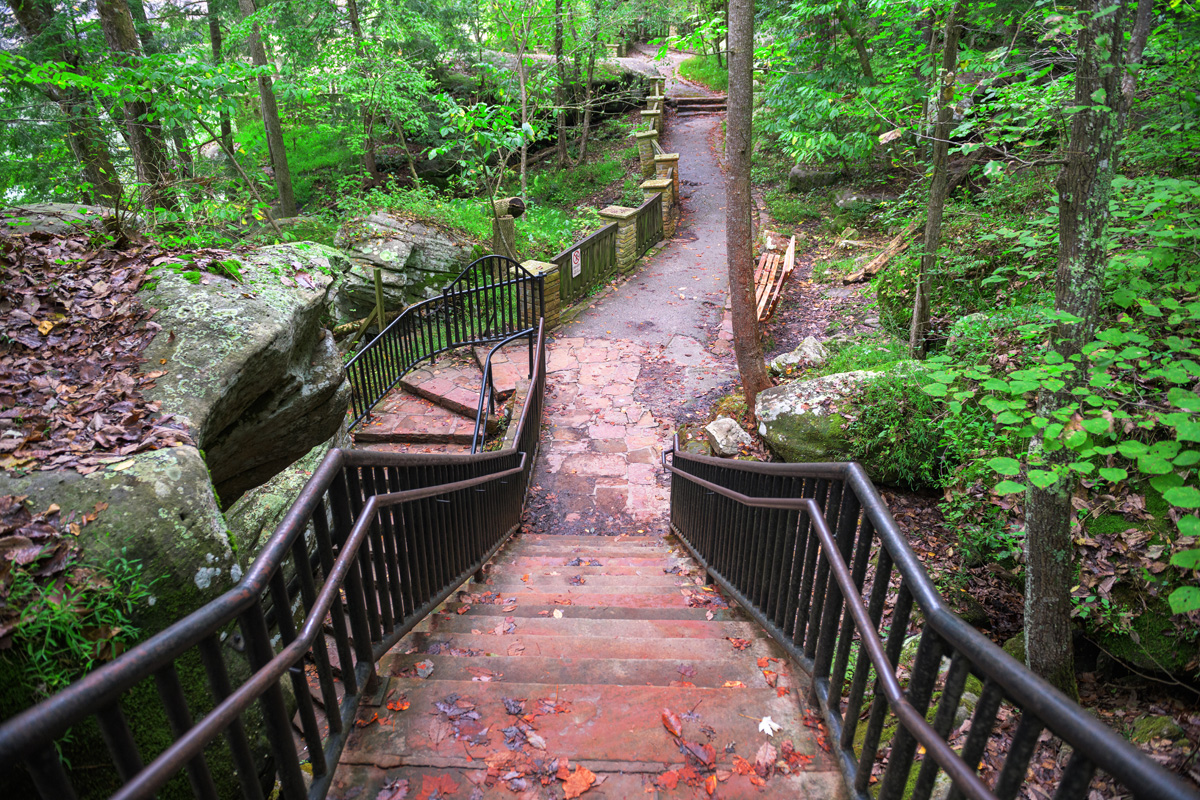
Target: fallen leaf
{"points": [[580, 781], [733, 685], [764, 760], [672, 723], [394, 790], [710, 784], [768, 726], [558, 613]]}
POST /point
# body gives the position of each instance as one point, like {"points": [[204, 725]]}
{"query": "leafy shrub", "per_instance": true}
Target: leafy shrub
{"points": [[866, 353], [793, 208], [897, 423]]}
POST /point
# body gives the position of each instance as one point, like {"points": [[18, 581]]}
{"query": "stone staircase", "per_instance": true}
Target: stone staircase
{"points": [[433, 408], [587, 666], [690, 106]]}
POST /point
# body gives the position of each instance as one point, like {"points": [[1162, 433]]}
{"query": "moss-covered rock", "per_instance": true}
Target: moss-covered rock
{"points": [[1149, 728], [1015, 647], [414, 259], [162, 512], [251, 369], [805, 420]]}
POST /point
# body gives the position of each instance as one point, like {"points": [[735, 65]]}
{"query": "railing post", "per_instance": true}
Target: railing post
{"points": [[537, 303], [666, 167], [627, 244], [645, 144], [663, 187]]}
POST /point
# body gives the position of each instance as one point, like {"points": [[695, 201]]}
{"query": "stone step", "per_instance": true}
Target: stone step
{"points": [[526, 609], [556, 565], [600, 722], [655, 648], [509, 365], [614, 781], [587, 552], [609, 629], [452, 383], [649, 564], [705, 673], [542, 581]]}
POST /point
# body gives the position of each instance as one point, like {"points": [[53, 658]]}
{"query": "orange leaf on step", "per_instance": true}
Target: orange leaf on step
{"points": [[564, 769], [733, 685], [440, 786], [771, 677], [580, 781], [525, 577], [781, 691], [672, 723], [668, 779], [710, 784]]}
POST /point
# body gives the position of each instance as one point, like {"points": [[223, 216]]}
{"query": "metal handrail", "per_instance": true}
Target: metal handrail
{"points": [[425, 330], [395, 535], [1094, 743], [487, 393]]}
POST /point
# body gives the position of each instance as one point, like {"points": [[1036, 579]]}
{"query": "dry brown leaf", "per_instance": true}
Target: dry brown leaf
{"points": [[580, 781], [671, 722]]}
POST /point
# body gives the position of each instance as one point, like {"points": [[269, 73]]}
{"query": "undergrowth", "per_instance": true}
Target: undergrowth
{"points": [[703, 69]]}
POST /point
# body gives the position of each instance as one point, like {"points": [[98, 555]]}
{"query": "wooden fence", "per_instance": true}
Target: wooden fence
{"points": [[586, 264]]}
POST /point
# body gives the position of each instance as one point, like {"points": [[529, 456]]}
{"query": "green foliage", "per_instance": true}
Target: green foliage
{"points": [[865, 353], [705, 70], [787, 207], [896, 423], [65, 633]]}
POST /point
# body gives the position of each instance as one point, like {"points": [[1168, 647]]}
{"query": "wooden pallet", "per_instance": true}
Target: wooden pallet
{"points": [[772, 272]]}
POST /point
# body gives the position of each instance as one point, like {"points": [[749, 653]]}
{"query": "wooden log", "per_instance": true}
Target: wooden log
{"points": [[896, 246]]}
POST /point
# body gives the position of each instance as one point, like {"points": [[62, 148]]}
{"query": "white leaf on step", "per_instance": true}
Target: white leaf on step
{"points": [[768, 726], [557, 614]]}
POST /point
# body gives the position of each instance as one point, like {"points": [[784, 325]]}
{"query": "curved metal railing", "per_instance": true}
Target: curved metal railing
{"points": [[493, 299], [373, 544], [795, 545]]}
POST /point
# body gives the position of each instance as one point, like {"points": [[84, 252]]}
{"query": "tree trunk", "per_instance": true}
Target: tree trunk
{"points": [[214, 35], [85, 135], [368, 119], [1084, 189], [739, 233], [523, 84], [270, 114], [587, 103], [150, 46], [940, 183], [864, 59], [145, 134], [560, 91]]}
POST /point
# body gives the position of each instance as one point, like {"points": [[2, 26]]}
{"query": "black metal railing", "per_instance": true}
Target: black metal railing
{"points": [[494, 299], [649, 224], [373, 544], [797, 545], [587, 263]]}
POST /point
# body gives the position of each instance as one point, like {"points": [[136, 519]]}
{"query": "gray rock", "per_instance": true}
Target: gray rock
{"points": [[415, 259], [805, 421], [845, 198], [810, 352], [801, 178], [726, 437], [251, 369], [161, 511], [54, 218]]}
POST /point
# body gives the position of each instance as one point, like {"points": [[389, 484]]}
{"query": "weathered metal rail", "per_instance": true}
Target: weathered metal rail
{"points": [[795, 545], [393, 536]]}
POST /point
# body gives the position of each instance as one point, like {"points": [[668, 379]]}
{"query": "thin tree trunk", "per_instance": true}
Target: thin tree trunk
{"points": [[940, 183], [145, 134], [214, 35], [368, 119], [150, 46], [587, 103], [522, 82], [85, 134], [560, 91], [412, 167], [739, 233], [864, 59], [270, 114], [1084, 190]]}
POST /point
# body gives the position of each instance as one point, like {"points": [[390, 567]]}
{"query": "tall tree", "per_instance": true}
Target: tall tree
{"points": [[85, 134], [368, 118], [940, 182], [739, 234], [145, 132], [560, 91], [270, 115], [1084, 191], [151, 46], [218, 56]]}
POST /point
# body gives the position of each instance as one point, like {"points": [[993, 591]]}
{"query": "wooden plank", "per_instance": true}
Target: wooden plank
{"points": [[764, 293], [789, 264]]}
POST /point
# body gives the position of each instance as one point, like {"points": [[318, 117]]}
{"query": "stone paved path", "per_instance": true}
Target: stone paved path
{"points": [[642, 351]]}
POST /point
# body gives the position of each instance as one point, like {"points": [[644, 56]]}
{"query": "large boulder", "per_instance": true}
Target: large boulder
{"points": [[54, 218], [251, 369], [809, 352], [805, 421], [415, 259], [802, 178], [726, 437]]}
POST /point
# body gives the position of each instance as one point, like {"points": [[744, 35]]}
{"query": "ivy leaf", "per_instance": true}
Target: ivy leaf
{"points": [[1082, 467], [1153, 465], [1184, 599], [1187, 559], [1162, 483], [1005, 466], [936, 389], [1183, 496], [1131, 448], [1010, 487], [1096, 425], [1189, 526], [1113, 474], [1187, 458], [1042, 478], [1188, 432]]}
